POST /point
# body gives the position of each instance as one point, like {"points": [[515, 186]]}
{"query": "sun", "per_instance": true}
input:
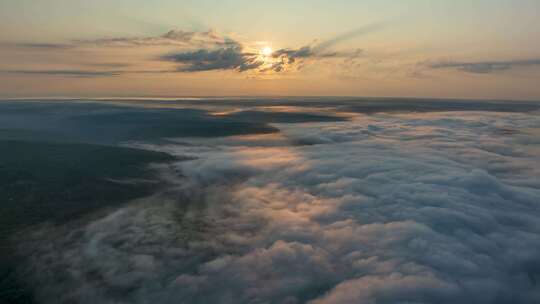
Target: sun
{"points": [[266, 51]]}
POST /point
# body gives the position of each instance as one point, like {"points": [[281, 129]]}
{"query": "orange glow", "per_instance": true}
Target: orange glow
{"points": [[267, 51]]}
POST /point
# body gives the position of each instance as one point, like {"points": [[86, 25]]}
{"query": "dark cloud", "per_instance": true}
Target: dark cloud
{"points": [[108, 64], [178, 38], [89, 73], [171, 38], [289, 57], [231, 57], [484, 67], [66, 73], [234, 58], [319, 50], [292, 54], [209, 51], [40, 46]]}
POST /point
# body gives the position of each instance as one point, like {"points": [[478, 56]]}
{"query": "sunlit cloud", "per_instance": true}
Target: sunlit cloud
{"points": [[177, 38], [236, 57], [39, 46]]}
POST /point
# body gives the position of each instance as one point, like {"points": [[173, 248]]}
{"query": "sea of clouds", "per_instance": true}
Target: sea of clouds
{"points": [[432, 207]]}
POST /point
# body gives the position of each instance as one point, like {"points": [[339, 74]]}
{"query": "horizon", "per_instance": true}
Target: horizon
{"points": [[253, 97]]}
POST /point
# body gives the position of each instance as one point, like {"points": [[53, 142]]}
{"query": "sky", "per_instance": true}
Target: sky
{"points": [[416, 48]]}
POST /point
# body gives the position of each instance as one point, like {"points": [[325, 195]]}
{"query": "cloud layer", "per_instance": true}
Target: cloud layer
{"points": [[485, 67], [384, 208]]}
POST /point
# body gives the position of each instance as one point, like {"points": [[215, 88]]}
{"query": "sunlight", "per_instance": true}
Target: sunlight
{"points": [[266, 51]]}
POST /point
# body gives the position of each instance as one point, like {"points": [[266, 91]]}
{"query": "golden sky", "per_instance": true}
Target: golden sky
{"points": [[458, 49]]}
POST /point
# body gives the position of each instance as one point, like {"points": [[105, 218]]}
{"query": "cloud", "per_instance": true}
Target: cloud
{"points": [[207, 51], [484, 67], [231, 57], [66, 73], [396, 287], [319, 51], [292, 54], [108, 64], [385, 208], [234, 57], [178, 38], [289, 57], [40, 46]]}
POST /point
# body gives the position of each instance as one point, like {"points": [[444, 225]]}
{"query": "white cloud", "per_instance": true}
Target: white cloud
{"points": [[386, 208]]}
